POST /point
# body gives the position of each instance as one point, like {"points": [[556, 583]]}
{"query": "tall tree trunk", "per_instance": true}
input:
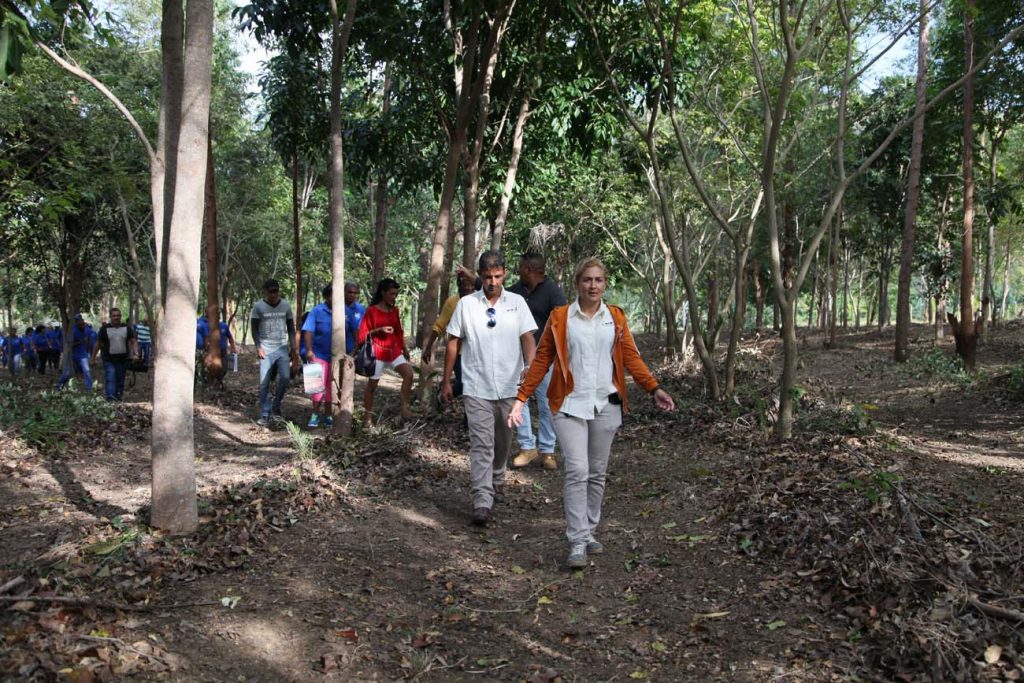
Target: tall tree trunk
{"points": [[846, 285], [964, 329], [759, 294], [902, 347], [457, 142], [474, 153], [1003, 313], [833, 269], [342, 365], [988, 290], [296, 237], [173, 445], [212, 359], [381, 202]]}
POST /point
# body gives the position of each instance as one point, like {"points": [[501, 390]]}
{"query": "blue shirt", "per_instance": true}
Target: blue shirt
{"points": [[26, 343], [81, 342], [13, 346], [39, 339], [55, 339], [225, 336], [202, 332], [353, 316], [319, 323]]}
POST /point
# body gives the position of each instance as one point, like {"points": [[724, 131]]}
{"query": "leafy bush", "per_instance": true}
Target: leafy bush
{"points": [[1015, 382], [45, 418], [936, 365]]}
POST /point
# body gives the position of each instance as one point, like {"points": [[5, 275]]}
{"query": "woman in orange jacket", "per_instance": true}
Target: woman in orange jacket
{"points": [[591, 347]]}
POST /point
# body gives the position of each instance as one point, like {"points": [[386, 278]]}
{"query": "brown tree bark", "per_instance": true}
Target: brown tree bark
{"points": [[964, 328], [342, 365], [173, 445], [381, 202], [296, 238], [902, 348], [211, 357]]}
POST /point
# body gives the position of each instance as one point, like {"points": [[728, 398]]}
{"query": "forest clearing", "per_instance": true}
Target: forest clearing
{"points": [[867, 548], [451, 340]]}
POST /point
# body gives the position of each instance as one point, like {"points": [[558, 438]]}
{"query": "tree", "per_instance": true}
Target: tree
{"points": [[902, 351], [185, 107]]}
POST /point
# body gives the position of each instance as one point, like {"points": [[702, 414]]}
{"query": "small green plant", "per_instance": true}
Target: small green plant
{"points": [[879, 484], [1015, 382], [304, 442], [936, 365]]}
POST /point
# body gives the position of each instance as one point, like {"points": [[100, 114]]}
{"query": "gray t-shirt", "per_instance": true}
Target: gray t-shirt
{"points": [[273, 322]]}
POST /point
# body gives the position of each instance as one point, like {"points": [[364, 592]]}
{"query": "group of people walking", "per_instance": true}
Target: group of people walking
{"points": [[115, 343], [502, 347]]}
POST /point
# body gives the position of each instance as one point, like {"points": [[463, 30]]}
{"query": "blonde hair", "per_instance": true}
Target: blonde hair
{"points": [[589, 262]]}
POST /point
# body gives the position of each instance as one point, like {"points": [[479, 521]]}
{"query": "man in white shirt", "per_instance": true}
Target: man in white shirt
{"points": [[493, 328]]}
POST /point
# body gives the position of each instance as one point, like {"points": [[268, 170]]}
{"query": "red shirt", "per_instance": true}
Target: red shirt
{"points": [[386, 347]]}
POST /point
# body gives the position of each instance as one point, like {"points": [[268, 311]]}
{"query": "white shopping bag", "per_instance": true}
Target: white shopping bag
{"points": [[313, 378]]}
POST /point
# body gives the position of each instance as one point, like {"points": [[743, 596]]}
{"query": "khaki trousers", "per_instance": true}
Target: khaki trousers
{"points": [[490, 440]]}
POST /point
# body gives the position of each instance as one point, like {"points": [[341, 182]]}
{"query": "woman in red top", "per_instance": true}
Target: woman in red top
{"points": [[383, 325]]}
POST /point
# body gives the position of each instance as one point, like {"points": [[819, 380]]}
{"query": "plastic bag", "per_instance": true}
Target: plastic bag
{"points": [[313, 378]]}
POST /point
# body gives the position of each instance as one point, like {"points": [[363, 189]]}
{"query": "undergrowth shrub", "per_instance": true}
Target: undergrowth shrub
{"points": [[45, 418], [936, 365]]}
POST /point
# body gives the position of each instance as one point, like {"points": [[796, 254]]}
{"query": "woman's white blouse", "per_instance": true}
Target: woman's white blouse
{"points": [[590, 361]]}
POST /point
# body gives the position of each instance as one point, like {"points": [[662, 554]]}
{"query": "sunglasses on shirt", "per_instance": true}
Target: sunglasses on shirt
{"points": [[492, 317]]}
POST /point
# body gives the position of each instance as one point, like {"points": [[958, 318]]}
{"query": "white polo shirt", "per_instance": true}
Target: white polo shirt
{"points": [[492, 357]]}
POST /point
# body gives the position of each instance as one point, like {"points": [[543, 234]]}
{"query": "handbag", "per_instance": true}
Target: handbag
{"points": [[366, 361], [313, 378]]}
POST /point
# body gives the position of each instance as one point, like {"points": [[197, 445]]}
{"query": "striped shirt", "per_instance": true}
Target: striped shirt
{"points": [[142, 333]]}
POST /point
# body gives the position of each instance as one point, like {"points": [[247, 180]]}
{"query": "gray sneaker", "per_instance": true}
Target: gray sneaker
{"points": [[577, 556], [595, 547], [264, 421]]}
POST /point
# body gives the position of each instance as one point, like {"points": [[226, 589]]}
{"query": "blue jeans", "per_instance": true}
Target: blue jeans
{"points": [[146, 351], [113, 378], [279, 359], [546, 432], [81, 366]]}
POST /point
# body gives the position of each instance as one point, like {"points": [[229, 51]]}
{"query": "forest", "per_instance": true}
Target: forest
{"points": [[810, 212]]}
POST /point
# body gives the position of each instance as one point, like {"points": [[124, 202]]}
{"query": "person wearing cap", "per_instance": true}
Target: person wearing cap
{"points": [[81, 350], [493, 328], [273, 333]]}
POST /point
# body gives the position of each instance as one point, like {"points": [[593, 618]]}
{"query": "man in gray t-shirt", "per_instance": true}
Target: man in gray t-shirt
{"points": [[273, 329]]}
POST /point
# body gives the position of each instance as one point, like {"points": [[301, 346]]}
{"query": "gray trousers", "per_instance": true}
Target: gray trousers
{"points": [[490, 440], [586, 445]]}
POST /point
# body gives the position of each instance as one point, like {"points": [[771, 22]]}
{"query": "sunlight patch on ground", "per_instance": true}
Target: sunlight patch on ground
{"points": [[418, 518]]}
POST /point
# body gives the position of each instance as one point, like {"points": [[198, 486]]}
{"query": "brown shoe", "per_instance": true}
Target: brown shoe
{"points": [[549, 461], [481, 516], [499, 493], [525, 457]]}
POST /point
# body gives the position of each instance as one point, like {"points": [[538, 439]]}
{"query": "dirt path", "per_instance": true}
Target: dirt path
{"points": [[391, 582]]}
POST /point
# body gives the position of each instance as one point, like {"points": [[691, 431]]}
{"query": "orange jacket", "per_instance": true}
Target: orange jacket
{"points": [[554, 347]]}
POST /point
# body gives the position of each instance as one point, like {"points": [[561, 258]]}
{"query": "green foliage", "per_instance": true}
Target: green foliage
{"points": [[874, 487], [1015, 382], [45, 419], [936, 365]]}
